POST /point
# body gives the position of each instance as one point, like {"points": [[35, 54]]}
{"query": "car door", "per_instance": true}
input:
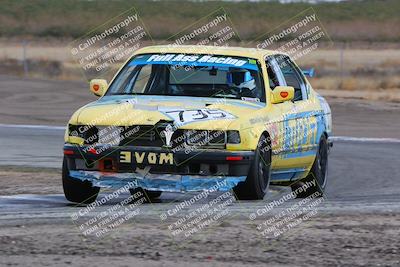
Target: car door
{"points": [[299, 117], [277, 125]]}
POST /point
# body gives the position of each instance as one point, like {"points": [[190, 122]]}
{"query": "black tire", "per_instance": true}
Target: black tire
{"points": [[75, 190], [318, 172], [149, 195], [257, 182], [153, 194]]}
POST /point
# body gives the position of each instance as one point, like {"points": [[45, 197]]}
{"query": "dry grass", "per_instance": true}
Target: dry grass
{"points": [[360, 69], [369, 20], [389, 95], [391, 62], [356, 83]]}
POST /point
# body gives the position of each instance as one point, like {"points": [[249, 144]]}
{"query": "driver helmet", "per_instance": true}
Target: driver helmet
{"points": [[241, 78]]}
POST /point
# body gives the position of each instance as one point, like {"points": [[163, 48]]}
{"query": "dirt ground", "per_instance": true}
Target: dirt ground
{"points": [[25, 180], [46, 236], [325, 240]]}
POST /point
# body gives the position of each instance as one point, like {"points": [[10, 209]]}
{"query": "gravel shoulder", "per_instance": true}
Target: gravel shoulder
{"points": [[326, 240], [25, 180], [42, 232]]}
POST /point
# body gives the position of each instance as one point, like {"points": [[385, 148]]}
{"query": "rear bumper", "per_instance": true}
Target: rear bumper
{"points": [[199, 170]]}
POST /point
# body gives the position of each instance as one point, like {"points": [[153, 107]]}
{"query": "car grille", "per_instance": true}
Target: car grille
{"points": [[142, 135], [147, 136]]}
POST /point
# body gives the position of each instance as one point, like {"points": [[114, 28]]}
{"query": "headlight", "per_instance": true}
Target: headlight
{"points": [[109, 135], [217, 137], [198, 138], [205, 138], [86, 132], [233, 137], [73, 130]]}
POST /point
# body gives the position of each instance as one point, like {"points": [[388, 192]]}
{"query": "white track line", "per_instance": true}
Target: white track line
{"points": [[333, 138], [26, 126], [364, 139]]}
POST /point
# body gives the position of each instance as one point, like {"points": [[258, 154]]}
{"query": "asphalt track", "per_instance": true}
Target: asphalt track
{"points": [[355, 224], [360, 169]]}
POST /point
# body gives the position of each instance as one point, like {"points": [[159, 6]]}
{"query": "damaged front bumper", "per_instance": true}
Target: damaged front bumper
{"points": [[219, 170], [159, 182]]}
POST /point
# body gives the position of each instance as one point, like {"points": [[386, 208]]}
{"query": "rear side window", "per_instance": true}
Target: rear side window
{"points": [[292, 77], [272, 76]]}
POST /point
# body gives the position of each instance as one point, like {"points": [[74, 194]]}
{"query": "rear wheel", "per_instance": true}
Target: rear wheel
{"points": [[318, 174], [257, 182], [75, 190]]}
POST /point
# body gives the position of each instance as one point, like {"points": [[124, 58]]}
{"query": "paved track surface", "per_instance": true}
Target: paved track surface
{"points": [[43, 102], [358, 169], [356, 224]]}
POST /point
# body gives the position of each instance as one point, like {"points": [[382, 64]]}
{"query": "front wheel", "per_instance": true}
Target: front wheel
{"points": [[149, 195], [317, 178], [257, 182], [75, 190]]}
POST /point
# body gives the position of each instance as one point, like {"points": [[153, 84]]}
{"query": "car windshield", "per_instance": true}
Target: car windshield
{"points": [[190, 75]]}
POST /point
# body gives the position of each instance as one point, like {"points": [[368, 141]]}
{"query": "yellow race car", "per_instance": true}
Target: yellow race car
{"points": [[194, 118]]}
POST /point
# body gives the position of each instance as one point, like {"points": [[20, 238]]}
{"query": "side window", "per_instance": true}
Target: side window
{"points": [[272, 75], [292, 77]]}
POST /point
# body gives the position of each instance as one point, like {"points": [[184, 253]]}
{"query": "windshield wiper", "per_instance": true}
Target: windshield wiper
{"points": [[125, 93], [226, 96]]}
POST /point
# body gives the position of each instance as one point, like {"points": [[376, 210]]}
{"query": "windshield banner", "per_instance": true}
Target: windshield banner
{"points": [[195, 60]]}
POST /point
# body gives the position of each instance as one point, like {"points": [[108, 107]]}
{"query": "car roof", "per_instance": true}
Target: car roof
{"points": [[211, 50]]}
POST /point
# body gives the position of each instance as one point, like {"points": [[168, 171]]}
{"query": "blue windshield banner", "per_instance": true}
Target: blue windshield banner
{"points": [[195, 61]]}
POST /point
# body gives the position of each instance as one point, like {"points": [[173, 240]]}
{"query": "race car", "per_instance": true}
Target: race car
{"points": [[195, 118]]}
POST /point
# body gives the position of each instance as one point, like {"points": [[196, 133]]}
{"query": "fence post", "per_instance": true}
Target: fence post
{"points": [[341, 63], [24, 60]]}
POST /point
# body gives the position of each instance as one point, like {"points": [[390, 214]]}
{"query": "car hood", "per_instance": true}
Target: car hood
{"points": [[186, 112]]}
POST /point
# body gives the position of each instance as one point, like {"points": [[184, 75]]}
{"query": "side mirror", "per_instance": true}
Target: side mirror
{"points": [[98, 87], [309, 73], [282, 93]]}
